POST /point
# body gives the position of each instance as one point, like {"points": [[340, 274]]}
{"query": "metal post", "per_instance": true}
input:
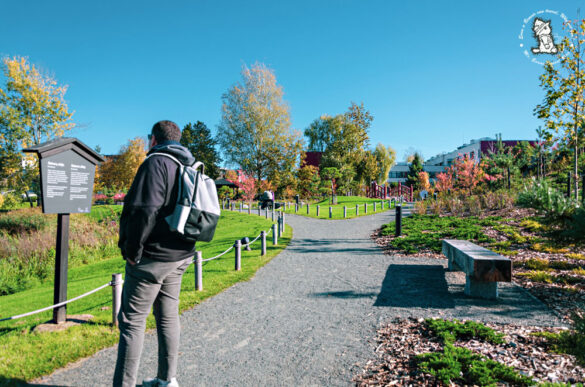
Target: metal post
{"points": [[318, 208], [330, 212], [199, 270], [398, 220], [238, 254], [263, 242], [344, 212], [61, 258], [116, 296], [274, 235], [357, 209]]}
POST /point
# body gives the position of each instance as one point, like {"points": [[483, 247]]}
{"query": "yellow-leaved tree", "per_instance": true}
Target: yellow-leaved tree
{"points": [[118, 171], [32, 110], [255, 131]]}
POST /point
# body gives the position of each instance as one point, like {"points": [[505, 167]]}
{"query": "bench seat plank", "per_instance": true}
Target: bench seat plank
{"points": [[483, 268]]}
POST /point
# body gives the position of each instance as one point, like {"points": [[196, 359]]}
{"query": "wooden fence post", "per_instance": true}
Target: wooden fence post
{"points": [[238, 253], [330, 212], [357, 209], [374, 206], [365, 208], [307, 208], [318, 208], [198, 270], [116, 296], [344, 212], [274, 235], [263, 242]]}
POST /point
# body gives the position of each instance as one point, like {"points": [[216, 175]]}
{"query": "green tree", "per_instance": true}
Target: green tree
{"points": [[255, 131], [385, 158], [32, 110], [416, 166], [329, 175], [563, 107], [197, 138], [367, 168]]}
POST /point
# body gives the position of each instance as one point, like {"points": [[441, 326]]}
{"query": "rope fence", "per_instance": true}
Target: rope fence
{"points": [[277, 230], [116, 282]]}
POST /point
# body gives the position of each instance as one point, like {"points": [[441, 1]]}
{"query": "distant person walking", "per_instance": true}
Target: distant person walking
{"points": [[156, 259]]}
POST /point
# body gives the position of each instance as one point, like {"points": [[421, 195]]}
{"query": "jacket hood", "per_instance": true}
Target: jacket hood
{"points": [[175, 149]]}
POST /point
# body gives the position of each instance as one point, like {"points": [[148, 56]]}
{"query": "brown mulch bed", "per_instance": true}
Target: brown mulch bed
{"points": [[563, 292], [400, 341]]}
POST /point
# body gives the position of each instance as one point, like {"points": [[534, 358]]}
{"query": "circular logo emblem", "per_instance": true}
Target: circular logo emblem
{"points": [[541, 34]]}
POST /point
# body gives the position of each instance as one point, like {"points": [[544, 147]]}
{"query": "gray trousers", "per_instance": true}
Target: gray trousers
{"points": [[149, 284]]}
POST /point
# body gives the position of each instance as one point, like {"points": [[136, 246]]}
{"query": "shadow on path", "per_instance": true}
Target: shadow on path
{"points": [[415, 286]]}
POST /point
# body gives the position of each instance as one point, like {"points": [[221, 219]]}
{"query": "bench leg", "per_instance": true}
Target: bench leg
{"points": [[479, 289]]}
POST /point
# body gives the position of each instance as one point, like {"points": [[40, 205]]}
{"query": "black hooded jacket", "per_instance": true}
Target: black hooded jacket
{"points": [[144, 231]]}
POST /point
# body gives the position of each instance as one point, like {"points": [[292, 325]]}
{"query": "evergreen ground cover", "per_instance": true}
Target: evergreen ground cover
{"points": [[458, 364], [25, 354]]}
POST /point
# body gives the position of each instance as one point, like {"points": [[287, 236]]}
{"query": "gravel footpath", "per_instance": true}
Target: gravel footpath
{"points": [[309, 317]]}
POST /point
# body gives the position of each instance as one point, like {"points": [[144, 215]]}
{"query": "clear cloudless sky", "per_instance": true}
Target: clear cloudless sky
{"points": [[433, 73]]}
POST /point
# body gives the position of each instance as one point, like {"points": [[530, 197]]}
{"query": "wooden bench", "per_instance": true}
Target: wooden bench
{"points": [[483, 268]]}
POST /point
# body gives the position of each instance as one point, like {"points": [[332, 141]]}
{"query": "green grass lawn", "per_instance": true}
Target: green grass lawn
{"points": [[25, 354], [337, 209]]}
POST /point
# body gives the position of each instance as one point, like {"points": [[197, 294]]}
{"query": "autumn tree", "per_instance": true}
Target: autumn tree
{"points": [[563, 107], [118, 171], [308, 180], [423, 181], [247, 184], [385, 158], [32, 110], [198, 139], [255, 131]]}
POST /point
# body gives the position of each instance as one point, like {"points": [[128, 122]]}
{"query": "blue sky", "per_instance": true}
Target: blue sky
{"points": [[433, 73]]}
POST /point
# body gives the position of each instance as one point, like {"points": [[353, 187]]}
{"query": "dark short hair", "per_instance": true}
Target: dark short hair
{"points": [[166, 131]]}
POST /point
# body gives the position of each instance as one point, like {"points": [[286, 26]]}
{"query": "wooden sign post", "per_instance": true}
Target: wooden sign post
{"points": [[67, 168]]}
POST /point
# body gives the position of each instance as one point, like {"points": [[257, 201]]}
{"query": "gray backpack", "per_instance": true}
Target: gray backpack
{"points": [[197, 210]]}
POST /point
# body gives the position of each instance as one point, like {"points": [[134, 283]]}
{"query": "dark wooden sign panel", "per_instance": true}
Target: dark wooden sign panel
{"points": [[67, 183]]}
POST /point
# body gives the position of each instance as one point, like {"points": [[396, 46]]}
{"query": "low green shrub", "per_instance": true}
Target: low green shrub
{"points": [[546, 200], [422, 232], [570, 341], [450, 331], [461, 364]]}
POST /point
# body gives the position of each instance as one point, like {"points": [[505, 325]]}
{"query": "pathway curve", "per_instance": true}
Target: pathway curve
{"points": [[309, 316]]}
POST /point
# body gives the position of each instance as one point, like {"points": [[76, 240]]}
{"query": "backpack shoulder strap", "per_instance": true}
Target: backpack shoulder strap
{"points": [[166, 155], [195, 165]]}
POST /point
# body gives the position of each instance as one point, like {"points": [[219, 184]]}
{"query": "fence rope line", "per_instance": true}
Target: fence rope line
{"points": [[231, 247], [59, 304]]}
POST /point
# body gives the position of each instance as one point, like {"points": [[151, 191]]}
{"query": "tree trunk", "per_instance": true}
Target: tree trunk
{"points": [[576, 168]]}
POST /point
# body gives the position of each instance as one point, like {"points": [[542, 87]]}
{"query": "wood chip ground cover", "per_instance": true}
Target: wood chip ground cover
{"points": [[400, 341], [553, 272]]}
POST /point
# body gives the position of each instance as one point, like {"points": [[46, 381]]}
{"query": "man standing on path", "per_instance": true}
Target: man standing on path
{"points": [[156, 259]]}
